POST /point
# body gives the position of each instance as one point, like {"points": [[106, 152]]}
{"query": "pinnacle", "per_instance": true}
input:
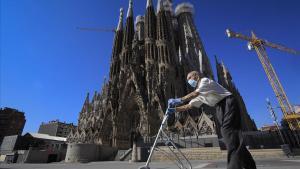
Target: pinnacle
{"points": [[149, 3], [120, 24], [130, 11], [160, 5]]}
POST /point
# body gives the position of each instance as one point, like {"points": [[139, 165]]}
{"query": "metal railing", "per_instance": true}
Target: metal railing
{"points": [[252, 139]]}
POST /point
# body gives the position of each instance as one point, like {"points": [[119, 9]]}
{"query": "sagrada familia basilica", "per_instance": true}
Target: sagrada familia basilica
{"points": [[150, 59]]}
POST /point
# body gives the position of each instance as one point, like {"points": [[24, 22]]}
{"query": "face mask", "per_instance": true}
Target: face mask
{"points": [[192, 83]]}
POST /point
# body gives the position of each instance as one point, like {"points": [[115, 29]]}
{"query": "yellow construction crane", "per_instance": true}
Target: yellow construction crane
{"points": [[292, 118]]}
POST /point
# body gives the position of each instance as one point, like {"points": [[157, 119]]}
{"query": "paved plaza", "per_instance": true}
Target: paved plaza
{"points": [[288, 163]]}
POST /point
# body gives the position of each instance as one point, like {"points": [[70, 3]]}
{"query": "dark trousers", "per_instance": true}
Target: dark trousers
{"points": [[229, 118]]}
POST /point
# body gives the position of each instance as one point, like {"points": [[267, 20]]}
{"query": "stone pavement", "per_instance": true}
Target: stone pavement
{"points": [[284, 163]]}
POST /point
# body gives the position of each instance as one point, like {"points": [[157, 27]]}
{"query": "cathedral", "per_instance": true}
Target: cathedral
{"points": [[150, 59]]}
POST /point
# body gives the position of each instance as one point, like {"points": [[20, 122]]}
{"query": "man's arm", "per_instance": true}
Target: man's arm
{"points": [[183, 108], [190, 96]]}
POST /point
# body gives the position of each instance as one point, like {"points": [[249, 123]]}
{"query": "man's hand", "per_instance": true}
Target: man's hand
{"points": [[170, 111], [174, 102]]}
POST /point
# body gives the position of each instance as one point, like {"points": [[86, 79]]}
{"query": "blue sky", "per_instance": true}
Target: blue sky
{"points": [[47, 65]]}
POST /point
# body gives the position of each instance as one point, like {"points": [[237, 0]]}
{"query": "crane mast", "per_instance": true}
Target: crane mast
{"points": [[292, 118]]}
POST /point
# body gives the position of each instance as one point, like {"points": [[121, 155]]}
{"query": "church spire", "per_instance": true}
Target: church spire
{"points": [[160, 5], [216, 60], [130, 10], [94, 97], [129, 27], [164, 5], [117, 47], [149, 3], [165, 54], [86, 103], [128, 35], [150, 21], [120, 24], [87, 98]]}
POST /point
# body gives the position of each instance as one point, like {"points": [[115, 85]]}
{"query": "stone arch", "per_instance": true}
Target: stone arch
{"points": [[205, 125], [190, 127], [128, 118]]}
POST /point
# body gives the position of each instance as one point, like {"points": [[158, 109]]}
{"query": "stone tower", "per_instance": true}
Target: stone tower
{"points": [[191, 46], [150, 58]]}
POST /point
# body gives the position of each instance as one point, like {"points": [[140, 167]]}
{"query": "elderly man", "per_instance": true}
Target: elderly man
{"points": [[227, 114]]}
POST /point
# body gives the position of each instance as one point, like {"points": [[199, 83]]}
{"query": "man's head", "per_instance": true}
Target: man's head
{"points": [[193, 78]]}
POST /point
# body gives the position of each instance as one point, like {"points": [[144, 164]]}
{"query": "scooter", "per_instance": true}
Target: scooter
{"points": [[180, 159]]}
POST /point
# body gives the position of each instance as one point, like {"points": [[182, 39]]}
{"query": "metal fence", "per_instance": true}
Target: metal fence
{"points": [[272, 139], [252, 139]]}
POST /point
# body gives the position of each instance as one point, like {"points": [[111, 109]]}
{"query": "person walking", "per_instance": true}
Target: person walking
{"points": [[228, 116]]}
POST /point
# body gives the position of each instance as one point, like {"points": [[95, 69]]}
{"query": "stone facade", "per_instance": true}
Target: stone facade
{"points": [[56, 128], [12, 122], [149, 64]]}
